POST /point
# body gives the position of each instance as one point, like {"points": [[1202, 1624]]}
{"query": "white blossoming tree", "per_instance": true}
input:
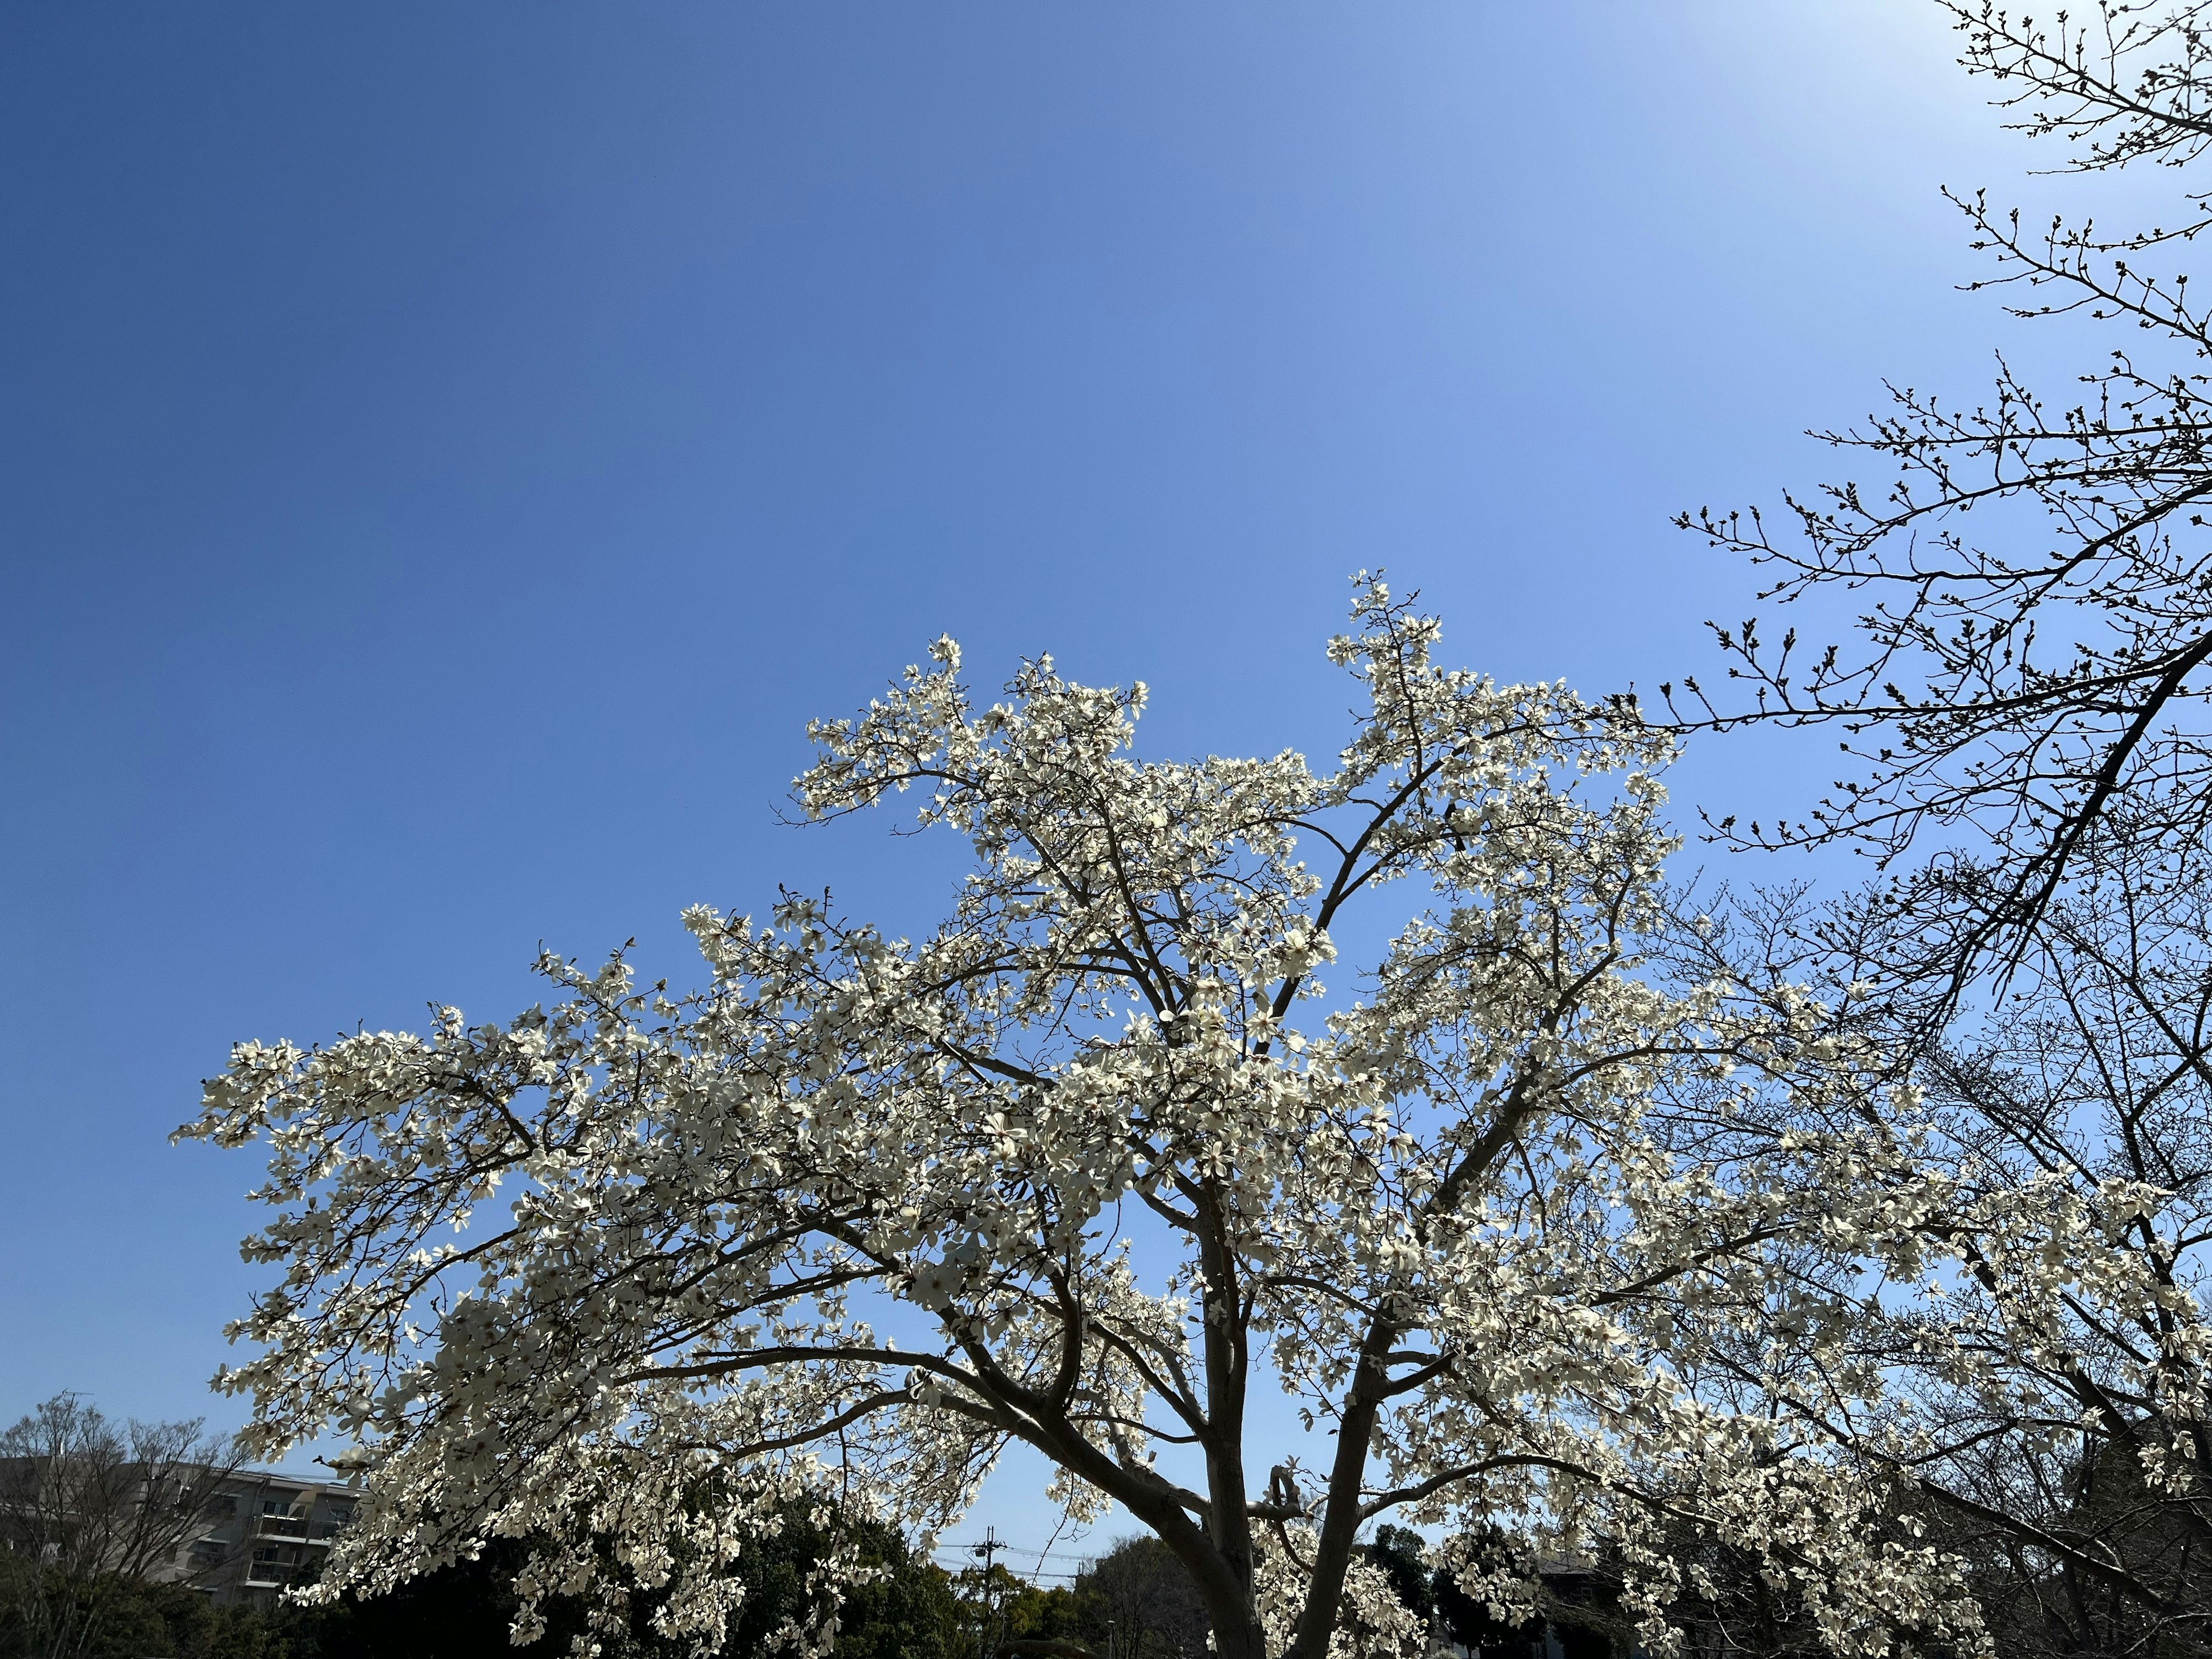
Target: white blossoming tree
{"points": [[1098, 1159]]}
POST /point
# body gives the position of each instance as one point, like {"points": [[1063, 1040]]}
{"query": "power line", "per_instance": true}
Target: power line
{"points": [[993, 1545]]}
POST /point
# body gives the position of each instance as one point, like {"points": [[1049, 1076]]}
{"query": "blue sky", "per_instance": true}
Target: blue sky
{"points": [[448, 452]]}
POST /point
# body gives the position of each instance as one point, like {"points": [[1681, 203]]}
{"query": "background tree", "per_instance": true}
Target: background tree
{"points": [[464, 1607], [166, 1620], [1475, 1559], [1082, 1166], [905, 1607], [2050, 1427], [2034, 569], [1141, 1604], [2069, 1441], [1494, 1599], [2025, 700], [1400, 1553], [995, 1611], [89, 1509]]}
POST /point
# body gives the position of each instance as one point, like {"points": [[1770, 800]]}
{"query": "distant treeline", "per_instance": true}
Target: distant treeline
{"points": [[1134, 1601]]}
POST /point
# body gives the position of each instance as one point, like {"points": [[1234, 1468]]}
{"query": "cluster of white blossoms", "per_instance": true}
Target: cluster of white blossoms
{"points": [[1540, 1228], [1372, 1623]]}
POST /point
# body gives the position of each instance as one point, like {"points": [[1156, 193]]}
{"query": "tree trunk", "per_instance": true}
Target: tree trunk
{"points": [[1239, 1639]]}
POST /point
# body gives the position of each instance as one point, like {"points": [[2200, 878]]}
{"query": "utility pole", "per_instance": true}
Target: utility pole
{"points": [[994, 1627]]}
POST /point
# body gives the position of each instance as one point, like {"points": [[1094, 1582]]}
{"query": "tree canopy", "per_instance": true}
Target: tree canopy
{"points": [[1554, 1217], [2023, 704], [2035, 600]]}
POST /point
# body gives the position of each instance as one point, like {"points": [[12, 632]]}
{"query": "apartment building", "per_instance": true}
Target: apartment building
{"points": [[265, 1530]]}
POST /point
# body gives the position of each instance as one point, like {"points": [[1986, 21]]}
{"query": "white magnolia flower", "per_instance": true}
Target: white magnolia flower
{"points": [[1513, 1211]]}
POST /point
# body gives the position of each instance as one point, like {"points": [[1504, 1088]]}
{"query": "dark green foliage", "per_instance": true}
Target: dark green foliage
{"points": [[910, 1614], [463, 1611], [140, 1620], [1029, 1613], [1397, 1551], [1468, 1622], [466, 1609], [1576, 1609]]}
